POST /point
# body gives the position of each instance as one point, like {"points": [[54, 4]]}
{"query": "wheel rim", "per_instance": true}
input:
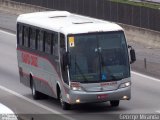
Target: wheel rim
{"points": [[61, 100]]}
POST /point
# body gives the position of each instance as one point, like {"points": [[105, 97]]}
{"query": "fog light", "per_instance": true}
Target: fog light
{"points": [[78, 101], [125, 97]]}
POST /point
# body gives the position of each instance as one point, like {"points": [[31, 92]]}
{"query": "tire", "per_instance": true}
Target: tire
{"points": [[35, 94], [114, 103], [64, 105]]}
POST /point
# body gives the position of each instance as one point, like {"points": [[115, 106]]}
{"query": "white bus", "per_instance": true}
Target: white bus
{"points": [[73, 58], [6, 113]]}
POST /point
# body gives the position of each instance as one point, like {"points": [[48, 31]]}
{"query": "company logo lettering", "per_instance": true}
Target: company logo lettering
{"points": [[108, 84], [29, 59]]}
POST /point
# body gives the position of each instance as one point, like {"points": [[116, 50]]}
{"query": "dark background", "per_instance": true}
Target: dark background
{"points": [[104, 9]]}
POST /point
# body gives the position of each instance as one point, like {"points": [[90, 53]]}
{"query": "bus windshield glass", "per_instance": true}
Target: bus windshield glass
{"points": [[98, 57]]}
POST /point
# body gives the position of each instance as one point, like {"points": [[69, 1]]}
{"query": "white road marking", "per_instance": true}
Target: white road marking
{"points": [[146, 76], [158, 111], [5, 32], [35, 103], [56, 112]]}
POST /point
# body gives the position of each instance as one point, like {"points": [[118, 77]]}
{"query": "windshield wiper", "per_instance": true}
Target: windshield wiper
{"points": [[80, 71]]}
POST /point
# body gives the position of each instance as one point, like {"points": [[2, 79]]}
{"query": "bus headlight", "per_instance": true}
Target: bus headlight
{"points": [[123, 85], [75, 86]]}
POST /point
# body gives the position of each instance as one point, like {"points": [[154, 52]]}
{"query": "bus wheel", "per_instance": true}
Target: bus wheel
{"points": [[35, 93], [114, 103], [65, 106]]}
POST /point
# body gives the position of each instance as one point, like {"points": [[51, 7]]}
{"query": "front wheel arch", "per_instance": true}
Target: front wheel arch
{"points": [[58, 91]]}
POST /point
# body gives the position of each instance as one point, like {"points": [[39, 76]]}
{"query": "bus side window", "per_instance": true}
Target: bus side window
{"points": [[26, 36], [19, 34], [40, 40], [55, 44], [62, 41], [32, 38], [48, 39]]}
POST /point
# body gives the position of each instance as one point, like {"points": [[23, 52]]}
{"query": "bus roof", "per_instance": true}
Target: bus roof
{"points": [[67, 23]]}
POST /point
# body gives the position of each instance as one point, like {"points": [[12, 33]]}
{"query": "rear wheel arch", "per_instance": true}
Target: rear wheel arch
{"points": [[30, 79], [35, 94]]}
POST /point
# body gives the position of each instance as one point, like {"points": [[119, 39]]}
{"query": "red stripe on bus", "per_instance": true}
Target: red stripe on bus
{"points": [[43, 58], [49, 62]]}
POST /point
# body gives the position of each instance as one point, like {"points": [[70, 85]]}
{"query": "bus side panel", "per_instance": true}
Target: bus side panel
{"points": [[43, 87], [44, 72], [24, 78]]}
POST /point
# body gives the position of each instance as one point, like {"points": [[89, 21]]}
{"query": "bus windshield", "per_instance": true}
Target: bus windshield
{"points": [[98, 57]]}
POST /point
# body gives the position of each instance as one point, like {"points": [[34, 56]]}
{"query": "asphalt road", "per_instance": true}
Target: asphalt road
{"points": [[8, 21], [145, 92]]}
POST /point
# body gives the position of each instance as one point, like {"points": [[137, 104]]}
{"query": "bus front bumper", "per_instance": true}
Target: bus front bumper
{"points": [[76, 97]]}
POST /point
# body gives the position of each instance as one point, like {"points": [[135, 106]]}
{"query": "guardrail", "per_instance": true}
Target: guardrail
{"points": [[141, 35], [107, 10]]}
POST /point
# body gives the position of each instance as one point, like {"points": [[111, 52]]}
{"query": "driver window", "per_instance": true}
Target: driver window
{"points": [[62, 51]]}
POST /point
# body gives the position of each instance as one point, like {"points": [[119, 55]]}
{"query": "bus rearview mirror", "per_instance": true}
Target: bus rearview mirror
{"points": [[66, 59], [132, 55]]}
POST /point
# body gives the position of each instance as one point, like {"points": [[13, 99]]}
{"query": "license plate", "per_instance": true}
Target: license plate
{"points": [[102, 96]]}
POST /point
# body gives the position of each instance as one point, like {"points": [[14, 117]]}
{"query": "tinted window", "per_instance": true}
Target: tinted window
{"points": [[62, 51], [98, 57], [19, 33], [40, 40], [26, 36], [62, 41], [55, 44], [48, 39], [33, 38]]}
